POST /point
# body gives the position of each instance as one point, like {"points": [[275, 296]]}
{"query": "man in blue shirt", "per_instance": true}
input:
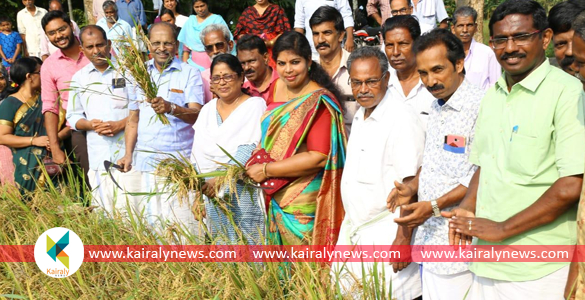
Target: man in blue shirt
{"points": [[131, 11]]}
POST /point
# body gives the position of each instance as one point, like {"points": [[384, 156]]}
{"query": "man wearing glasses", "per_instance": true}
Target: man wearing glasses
{"points": [[386, 145], [427, 18], [530, 152], [148, 141], [217, 39]]}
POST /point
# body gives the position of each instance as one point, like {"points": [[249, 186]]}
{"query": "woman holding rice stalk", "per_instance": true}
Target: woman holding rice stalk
{"points": [[304, 139], [231, 121]]}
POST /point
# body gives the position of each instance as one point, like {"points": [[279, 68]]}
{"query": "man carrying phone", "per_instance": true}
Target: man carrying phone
{"points": [[99, 106], [442, 180]]}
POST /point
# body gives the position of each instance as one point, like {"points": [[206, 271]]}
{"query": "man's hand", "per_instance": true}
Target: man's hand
{"points": [[401, 195], [420, 212], [109, 128], [400, 240], [209, 188], [125, 163], [349, 45], [457, 238], [58, 156], [484, 229], [160, 106]]}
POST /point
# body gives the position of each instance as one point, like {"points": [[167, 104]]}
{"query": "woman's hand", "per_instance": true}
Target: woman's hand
{"points": [[256, 172], [41, 141]]}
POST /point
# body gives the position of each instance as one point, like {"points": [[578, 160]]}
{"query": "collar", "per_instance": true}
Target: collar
{"points": [[531, 82], [175, 65], [272, 79], [119, 1], [61, 55], [343, 62], [394, 82], [458, 98], [37, 11], [113, 62], [378, 113]]}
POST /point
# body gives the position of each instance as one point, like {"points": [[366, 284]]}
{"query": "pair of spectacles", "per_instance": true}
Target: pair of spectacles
{"points": [[519, 40], [165, 44], [218, 46], [578, 76], [226, 78], [371, 83], [59, 30], [399, 12]]}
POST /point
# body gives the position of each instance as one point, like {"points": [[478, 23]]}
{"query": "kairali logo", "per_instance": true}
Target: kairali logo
{"points": [[59, 252]]}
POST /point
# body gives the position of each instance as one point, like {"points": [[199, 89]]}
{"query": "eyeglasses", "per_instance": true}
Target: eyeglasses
{"points": [[35, 73], [578, 76], [519, 40], [226, 78], [59, 30], [165, 44], [218, 46], [399, 12], [371, 83]]}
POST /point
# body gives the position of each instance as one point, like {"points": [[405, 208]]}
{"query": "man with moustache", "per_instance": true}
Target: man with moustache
{"points": [[253, 55], [56, 74], [327, 28], [481, 66], [386, 145], [116, 28], [28, 21], [217, 39], [560, 18], [148, 141], [443, 179], [530, 152], [400, 33], [404, 8], [46, 47], [99, 106]]}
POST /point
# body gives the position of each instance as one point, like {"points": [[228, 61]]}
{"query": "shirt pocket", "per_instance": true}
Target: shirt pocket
{"points": [[369, 165], [120, 98], [176, 96], [523, 155]]}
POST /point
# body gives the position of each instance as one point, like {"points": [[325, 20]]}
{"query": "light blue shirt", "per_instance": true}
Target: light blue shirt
{"points": [[181, 84], [117, 33], [93, 96], [131, 12]]}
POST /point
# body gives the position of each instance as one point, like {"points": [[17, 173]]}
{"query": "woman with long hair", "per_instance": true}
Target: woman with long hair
{"points": [[172, 5], [231, 121], [21, 123], [194, 51], [303, 135]]}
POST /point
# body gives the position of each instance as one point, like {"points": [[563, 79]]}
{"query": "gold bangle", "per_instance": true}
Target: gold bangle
{"points": [[31, 140], [264, 170]]}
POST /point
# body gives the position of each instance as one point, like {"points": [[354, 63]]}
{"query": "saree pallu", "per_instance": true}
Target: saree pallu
{"points": [[309, 210], [27, 121]]}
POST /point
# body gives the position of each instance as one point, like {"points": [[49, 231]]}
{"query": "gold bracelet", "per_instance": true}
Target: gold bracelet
{"points": [[264, 170], [31, 140]]}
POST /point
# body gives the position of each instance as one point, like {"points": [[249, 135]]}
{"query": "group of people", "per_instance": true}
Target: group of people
{"points": [[423, 141]]}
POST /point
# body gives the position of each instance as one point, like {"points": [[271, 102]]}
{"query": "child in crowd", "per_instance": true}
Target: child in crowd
{"points": [[10, 43]]}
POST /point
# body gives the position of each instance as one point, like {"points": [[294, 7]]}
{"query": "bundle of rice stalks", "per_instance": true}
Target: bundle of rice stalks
{"points": [[131, 61]]}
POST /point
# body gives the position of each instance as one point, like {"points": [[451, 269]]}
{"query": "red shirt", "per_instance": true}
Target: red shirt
{"points": [[267, 93]]}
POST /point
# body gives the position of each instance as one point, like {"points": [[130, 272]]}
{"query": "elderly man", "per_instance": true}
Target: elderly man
{"points": [[400, 33], [327, 28], [217, 39], [56, 74], [46, 47], [529, 148], [444, 177], [180, 98], [481, 66], [99, 106], [386, 145], [28, 21], [404, 7], [560, 18], [116, 28], [304, 10], [253, 55]]}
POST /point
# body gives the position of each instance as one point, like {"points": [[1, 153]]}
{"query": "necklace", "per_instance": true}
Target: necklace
{"points": [[297, 95], [233, 103]]}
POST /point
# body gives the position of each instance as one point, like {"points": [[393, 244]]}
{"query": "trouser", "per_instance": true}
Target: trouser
{"points": [[76, 149]]}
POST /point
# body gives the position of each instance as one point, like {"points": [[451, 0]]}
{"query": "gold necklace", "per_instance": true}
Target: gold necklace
{"points": [[298, 94]]}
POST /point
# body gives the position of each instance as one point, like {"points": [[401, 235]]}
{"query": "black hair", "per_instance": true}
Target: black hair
{"points": [[166, 11], [522, 7], [408, 2], [18, 71], [407, 22], [94, 27], [4, 18], [562, 15], [444, 37], [56, 14], [465, 11], [250, 42], [230, 60], [298, 43], [4, 92], [327, 13]]}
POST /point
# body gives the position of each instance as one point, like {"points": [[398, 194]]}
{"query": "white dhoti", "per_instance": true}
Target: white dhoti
{"points": [[107, 195], [381, 230], [550, 287], [445, 287]]}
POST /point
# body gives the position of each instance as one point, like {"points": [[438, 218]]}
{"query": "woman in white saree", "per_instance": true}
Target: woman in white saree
{"points": [[231, 121]]}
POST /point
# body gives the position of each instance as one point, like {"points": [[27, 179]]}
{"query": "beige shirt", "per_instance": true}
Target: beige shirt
{"points": [[30, 25], [341, 79]]}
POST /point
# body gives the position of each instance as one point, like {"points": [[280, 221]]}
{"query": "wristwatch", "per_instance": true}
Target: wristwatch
{"points": [[436, 210]]}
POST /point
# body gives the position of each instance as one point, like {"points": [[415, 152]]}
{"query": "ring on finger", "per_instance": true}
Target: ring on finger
{"points": [[469, 222]]}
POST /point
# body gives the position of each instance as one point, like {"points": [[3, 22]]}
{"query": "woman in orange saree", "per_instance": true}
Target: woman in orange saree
{"points": [[303, 133]]}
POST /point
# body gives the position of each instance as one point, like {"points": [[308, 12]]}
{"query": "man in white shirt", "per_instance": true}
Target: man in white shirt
{"points": [[28, 21], [404, 7], [400, 33], [446, 172], [46, 47], [327, 27], [116, 28], [481, 66], [386, 145], [304, 9], [99, 105], [430, 12]]}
